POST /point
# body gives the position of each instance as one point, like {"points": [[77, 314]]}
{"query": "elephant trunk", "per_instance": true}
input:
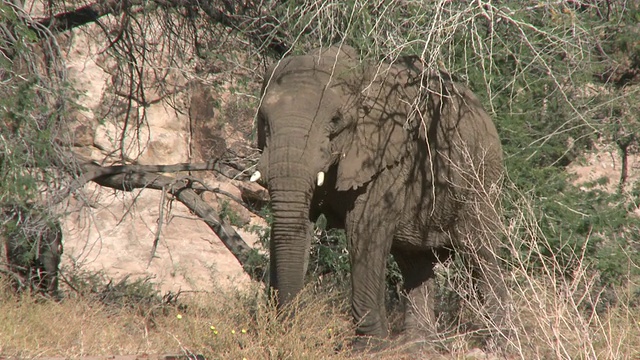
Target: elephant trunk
{"points": [[291, 183], [290, 239]]}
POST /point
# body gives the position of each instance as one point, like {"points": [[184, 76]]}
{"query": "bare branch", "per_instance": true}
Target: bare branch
{"points": [[182, 191], [81, 16], [91, 171], [263, 30]]}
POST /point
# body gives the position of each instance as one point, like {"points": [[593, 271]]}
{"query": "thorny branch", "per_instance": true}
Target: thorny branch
{"points": [[263, 30]]}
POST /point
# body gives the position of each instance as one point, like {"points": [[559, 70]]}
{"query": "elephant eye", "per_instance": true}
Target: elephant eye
{"points": [[262, 122], [335, 124]]}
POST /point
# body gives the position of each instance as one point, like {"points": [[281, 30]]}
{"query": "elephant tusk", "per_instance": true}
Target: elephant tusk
{"points": [[255, 177], [320, 180]]}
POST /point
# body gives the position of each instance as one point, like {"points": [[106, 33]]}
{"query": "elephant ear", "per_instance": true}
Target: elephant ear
{"points": [[261, 132], [379, 139]]}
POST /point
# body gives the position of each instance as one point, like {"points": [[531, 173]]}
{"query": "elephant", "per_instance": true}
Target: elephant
{"points": [[405, 160], [32, 249]]}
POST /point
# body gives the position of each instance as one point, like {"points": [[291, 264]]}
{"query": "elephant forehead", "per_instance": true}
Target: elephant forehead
{"points": [[275, 97], [298, 98], [278, 102]]}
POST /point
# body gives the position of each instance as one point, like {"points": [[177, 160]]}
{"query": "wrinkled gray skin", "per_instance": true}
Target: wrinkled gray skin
{"points": [[402, 172], [32, 250]]}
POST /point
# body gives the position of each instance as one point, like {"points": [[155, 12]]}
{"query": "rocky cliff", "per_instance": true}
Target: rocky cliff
{"points": [[114, 231]]}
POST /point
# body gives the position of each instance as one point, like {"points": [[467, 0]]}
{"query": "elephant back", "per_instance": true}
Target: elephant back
{"points": [[461, 132]]}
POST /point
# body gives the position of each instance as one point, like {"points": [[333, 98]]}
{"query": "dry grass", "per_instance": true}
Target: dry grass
{"points": [[550, 316], [239, 324], [223, 324]]}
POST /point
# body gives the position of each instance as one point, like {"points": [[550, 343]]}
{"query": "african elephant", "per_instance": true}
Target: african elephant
{"points": [[406, 161]]}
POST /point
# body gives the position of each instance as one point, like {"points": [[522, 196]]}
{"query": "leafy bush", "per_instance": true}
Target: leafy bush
{"points": [[34, 99], [537, 85]]}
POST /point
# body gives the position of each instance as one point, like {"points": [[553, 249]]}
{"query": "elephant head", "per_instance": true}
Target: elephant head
{"points": [[325, 121]]}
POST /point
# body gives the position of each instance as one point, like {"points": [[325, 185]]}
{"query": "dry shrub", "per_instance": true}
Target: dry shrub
{"points": [[551, 311], [558, 315], [549, 314]]}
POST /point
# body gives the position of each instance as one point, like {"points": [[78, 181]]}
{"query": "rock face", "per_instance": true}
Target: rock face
{"points": [[114, 231], [116, 236]]}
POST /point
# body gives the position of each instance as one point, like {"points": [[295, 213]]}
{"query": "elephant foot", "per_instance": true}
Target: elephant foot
{"points": [[405, 347], [369, 344], [420, 333]]}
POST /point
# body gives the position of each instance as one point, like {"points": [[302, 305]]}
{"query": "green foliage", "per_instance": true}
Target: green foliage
{"points": [[546, 119], [27, 227], [31, 108], [25, 146], [329, 264], [228, 214], [329, 259], [257, 264], [579, 227], [33, 103]]}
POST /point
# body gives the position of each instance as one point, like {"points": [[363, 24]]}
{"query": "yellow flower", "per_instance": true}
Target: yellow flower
{"points": [[179, 316], [215, 332], [212, 327], [244, 331], [233, 331]]}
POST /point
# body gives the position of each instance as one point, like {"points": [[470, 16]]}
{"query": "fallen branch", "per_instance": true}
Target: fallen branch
{"points": [[81, 16], [183, 191], [89, 170]]}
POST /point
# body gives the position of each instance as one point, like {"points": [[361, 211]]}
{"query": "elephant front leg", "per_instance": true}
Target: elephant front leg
{"points": [[369, 246], [368, 286]]}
